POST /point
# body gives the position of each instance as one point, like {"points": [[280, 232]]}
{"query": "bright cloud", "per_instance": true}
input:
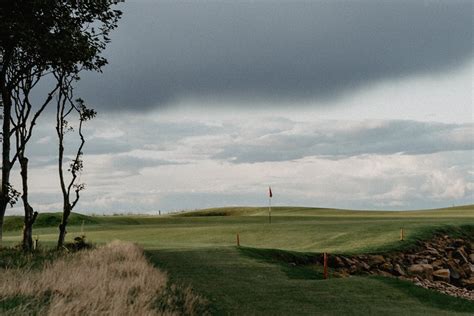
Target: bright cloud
{"points": [[177, 164]]}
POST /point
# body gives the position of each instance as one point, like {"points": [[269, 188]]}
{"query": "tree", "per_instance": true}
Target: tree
{"points": [[65, 108], [23, 120], [47, 36]]}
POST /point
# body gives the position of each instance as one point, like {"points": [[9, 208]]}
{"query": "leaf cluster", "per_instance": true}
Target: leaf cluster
{"points": [[57, 34]]}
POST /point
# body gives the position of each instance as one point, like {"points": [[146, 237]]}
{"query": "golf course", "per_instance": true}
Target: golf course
{"points": [[198, 249]]}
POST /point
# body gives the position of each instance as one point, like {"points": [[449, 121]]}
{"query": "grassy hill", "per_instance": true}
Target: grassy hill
{"points": [[14, 223], [198, 248], [312, 211]]}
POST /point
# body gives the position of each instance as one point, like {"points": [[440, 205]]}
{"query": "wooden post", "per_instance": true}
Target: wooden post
{"points": [[35, 245], [325, 265], [270, 195], [270, 210], [402, 237], [82, 228], [238, 240]]}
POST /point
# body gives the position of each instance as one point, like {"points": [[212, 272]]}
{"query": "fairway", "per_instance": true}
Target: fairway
{"points": [[198, 249], [298, 229]]}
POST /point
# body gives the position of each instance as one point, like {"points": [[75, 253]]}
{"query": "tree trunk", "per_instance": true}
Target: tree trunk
{"points": [[1, 231], [30, 214], [28, 229], [6, 164], [63, 225]]}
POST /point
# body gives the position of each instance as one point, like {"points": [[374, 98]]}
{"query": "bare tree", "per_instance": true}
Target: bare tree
{"points": [[70, 188], [50, 35], [23, 121]]}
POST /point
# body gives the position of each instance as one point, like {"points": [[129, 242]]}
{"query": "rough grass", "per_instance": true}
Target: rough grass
{"points": [[115, 279], [11, 258]]}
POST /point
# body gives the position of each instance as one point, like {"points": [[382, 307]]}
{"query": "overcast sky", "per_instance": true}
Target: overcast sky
{"points": [[353, 104]]}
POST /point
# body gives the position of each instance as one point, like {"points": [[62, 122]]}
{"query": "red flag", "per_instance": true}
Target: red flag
{"points": [[270, 192]]}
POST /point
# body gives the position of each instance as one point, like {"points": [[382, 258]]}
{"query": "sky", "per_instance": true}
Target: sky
{"points": [[347, 104]]}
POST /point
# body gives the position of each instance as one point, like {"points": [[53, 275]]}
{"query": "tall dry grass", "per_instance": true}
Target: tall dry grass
{"points": [[115, 279]]}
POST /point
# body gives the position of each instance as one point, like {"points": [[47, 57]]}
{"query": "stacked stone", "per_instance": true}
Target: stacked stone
{"points": [[445, 264]]}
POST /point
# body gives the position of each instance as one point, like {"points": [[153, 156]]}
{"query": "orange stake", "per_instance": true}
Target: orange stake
{"points": [[402, 237], [238, 240], [325, 265]]}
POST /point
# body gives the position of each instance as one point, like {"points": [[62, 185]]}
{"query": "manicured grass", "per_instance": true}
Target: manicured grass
{"points": [[240, 284], [327, 230], [199, 249]]}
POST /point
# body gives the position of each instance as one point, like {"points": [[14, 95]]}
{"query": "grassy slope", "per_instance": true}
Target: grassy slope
{"points": [[239, 284], [198, 250], [312, 211]]}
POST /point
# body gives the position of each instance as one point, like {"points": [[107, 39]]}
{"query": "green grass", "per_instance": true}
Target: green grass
{"points": [[14, 223], [198, 248], [239, 284], [326, 230]]}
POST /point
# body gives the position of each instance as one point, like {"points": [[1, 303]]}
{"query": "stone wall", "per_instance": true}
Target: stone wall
{"points": [[444, 263]]}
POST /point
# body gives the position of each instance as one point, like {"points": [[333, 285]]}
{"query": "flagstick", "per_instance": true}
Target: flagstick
{"points": [[269, 210]]}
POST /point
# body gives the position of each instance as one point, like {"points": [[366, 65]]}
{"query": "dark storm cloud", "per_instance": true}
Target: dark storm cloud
{"points": [[272, 50]]}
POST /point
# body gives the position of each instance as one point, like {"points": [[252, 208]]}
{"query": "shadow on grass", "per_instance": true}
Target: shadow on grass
{"points": [[296, 265], [23, 305], [429, 297], [299, 265]]}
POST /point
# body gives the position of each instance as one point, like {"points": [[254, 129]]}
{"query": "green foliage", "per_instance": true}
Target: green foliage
{"points": [[31, 31], [79, 243]]}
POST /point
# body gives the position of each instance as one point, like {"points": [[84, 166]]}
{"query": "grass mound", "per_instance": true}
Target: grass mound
{"points": [[224, 211], [324, 212], [15, 223], [306, 258], [115, 279], [425, 234]]}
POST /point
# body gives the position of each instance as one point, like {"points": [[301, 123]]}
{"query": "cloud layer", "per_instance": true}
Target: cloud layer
{"points": [[183, 164], [165, 51]]}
